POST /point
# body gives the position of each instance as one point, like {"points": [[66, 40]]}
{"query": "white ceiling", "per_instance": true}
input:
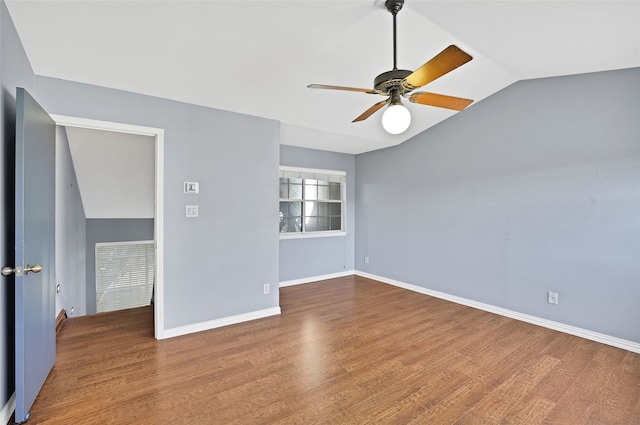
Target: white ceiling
{"points": [[257, 57]]}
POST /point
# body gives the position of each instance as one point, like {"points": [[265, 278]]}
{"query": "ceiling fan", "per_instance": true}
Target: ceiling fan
{"points": [[399, 83]]}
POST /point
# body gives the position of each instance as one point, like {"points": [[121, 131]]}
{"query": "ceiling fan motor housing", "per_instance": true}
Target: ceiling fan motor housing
{"points": [[387, 81]]}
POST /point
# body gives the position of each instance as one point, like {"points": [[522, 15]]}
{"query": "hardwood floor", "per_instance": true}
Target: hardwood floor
{"points": [[344, 351]]}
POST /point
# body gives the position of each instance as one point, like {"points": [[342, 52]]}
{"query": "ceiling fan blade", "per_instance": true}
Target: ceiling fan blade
{"points": [[440, 100], [366, 114], [444, 62], [324, 86]]}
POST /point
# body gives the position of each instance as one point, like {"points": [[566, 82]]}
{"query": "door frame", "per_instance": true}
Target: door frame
{"points": [[158, 135]]}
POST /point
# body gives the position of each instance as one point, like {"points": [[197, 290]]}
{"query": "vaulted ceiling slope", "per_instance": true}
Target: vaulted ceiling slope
{"points": [[115, 172], [257, 57]]}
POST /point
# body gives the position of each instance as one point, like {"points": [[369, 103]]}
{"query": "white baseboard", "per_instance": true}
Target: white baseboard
{"points": [[8, 409], [217, 323], [315, 278], [572, 330], [232, 320], [225, 321]]}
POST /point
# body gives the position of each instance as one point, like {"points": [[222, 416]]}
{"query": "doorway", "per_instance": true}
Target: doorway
{"points": [[156, 135]]}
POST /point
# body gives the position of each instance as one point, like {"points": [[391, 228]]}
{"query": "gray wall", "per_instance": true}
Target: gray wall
{"points": [[215, 265], [309, 257], [110, 230], [534, 189], [71, 226], [15, 71]]}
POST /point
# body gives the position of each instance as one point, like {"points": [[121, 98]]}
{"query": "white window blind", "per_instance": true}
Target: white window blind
{"points": [[125, 273]]}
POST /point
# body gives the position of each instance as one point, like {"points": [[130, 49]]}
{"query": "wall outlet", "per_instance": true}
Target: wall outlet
{"points": [[266, 288], [552, 297], [366, 260]]}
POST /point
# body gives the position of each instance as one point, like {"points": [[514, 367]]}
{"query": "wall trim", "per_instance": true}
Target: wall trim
{"points": [[315, 278], [549, 324], [8, 409], [218, 323], [62, 316]]}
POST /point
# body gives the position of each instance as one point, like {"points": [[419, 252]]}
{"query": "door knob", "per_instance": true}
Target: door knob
{"points": [[7, 271], [36, 268]]}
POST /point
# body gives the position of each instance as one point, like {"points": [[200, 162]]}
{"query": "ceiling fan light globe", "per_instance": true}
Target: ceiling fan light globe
{"points": [[396, 119]]}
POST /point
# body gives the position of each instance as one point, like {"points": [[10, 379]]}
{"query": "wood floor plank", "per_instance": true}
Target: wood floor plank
{"points": [[532, 411], [511, 392], [575, 356], [344, 351], [458, 403], [616, 404]]}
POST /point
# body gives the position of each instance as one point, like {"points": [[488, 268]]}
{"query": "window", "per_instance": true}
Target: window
{"points": [[311, 201]]}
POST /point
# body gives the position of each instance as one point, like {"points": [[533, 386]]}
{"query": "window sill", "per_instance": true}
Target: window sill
{"points": [[310, 235]]}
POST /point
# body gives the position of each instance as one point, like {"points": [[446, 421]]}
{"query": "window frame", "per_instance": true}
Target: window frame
{"points": [[316, 174]]}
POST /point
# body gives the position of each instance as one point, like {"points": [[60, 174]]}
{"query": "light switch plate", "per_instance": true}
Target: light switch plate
{"points": [[192, 211], [191, 187]]}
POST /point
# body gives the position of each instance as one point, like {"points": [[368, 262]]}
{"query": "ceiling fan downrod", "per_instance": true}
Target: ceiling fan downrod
{"points": [[394, 6]]}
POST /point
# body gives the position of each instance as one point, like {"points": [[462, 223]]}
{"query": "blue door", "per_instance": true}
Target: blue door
{"points": [[35, 333]]}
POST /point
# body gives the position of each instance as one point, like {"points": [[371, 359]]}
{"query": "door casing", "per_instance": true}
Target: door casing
{"points": [[158, 135]]}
